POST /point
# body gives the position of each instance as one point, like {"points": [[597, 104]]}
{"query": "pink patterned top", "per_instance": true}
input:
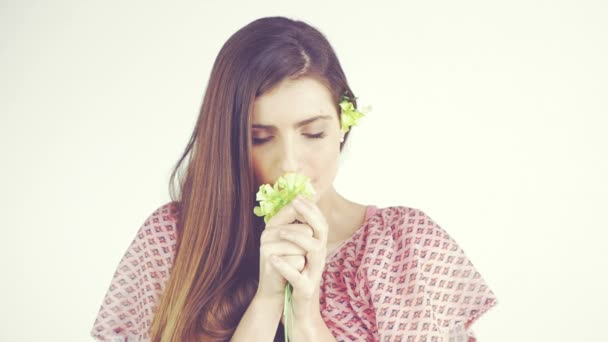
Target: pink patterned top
{"points": [[399, 277]]}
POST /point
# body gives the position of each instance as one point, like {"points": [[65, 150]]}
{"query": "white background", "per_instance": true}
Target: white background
{"points": [[489, 116]]}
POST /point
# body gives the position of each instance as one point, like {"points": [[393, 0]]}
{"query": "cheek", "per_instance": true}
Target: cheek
{"points": [[323, 158], [324, 163], [260, 166]]}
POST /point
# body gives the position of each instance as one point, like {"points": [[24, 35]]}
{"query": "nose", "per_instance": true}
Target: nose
{"points": [[289, 161]]}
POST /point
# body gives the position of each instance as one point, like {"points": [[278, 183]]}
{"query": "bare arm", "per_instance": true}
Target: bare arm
{"points": [[313, 330], [260, 321]]}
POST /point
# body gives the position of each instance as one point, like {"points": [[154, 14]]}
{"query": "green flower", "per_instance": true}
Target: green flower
{"points": [[350, 115], [284, 190]]}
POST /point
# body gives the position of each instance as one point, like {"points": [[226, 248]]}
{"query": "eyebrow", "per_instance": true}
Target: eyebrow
{"points": [[296, 125]]}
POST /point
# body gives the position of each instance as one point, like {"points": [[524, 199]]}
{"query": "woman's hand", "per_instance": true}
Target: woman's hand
{"points": [[306, 282], [271, 283]]}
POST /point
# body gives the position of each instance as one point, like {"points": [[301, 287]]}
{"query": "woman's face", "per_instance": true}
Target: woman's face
{"points": [[296, 129]]}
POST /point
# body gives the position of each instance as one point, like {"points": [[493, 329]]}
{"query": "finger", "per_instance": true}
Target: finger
{"points": [[308, 243], [315, 251], [282, 247], [296, 261], [285, 215], [313, 216], [303, 228], [272, 233], [289, 273]]}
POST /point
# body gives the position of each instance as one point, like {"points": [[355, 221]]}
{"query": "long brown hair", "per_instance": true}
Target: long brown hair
{"points": [[216, 267]]}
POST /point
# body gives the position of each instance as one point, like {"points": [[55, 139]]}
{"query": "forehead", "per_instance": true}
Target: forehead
{"points": [[293, 100]]}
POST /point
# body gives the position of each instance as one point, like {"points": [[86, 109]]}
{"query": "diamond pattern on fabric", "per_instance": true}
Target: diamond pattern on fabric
{"points": [[399, 277], [129, 304]]}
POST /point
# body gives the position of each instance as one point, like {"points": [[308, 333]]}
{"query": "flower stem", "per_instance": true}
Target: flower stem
{"points": [[288, 312]]}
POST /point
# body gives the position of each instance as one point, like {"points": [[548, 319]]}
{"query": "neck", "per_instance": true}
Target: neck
{"points": [[333, 206]]}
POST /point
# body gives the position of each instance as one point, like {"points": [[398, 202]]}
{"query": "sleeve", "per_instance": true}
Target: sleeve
{"points": [[129, 304], [457, 293]]}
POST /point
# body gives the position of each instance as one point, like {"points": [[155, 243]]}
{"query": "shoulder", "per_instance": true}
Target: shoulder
{"points": [[410, 227], [167, 213], [399, 214], [401, 219], [161, 225]]}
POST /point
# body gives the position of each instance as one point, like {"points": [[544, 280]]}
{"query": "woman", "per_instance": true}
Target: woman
{"points": [[200, 266]]}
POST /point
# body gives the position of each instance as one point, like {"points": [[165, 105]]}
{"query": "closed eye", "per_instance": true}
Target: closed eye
{"points": [[319, 135], [258, 141]]}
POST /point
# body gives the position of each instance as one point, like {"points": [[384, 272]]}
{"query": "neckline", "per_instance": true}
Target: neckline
{"points": [[370, 210]]}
